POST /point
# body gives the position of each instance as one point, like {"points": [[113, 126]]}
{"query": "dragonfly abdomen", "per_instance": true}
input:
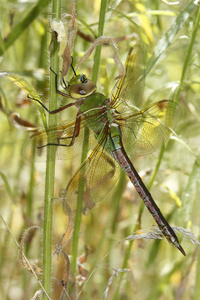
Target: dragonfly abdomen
{"points": [[121, 157]]}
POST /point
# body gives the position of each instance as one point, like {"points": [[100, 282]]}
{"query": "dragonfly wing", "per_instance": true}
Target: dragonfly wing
{"points": [[59, 137], [128, 92], [98, 173], [150, 128]]}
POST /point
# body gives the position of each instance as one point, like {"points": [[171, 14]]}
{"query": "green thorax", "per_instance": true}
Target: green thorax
{"points": [[92, 103], [94, 111], [100, 118]]}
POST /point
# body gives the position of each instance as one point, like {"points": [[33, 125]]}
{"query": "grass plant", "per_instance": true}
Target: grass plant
{"points": [[28, 48]]}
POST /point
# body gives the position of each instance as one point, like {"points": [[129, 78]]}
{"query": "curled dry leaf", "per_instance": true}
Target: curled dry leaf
{"points": [[66, 277], [90, 38], [83, 258], [83, 272], [71, 34], [25, 259], [20, 123], [67, 60], [37, 295], [104, 40], [26, 265], [17, 121], [27, 88], [86, 37], [67, 270]]}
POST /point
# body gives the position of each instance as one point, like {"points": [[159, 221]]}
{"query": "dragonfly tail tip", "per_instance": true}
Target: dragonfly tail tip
{"points": [[180, 248]]}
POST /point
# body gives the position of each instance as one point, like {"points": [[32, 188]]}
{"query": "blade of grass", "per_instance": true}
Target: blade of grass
{"points": [[50, 167], [21, 26], [157, 291], [161, 46], [100, 33], [197, 285], [186, 208], [169, 36], [188, 55], [116, 199], [85, 146], [190, 193], [27, 88], [112, 221], [149, 186], [7, 186]]}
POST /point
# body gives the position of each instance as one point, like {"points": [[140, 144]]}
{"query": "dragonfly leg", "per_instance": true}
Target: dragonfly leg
{"points": [[59, 139], [52, 111], [76, 128], [56, 83]]}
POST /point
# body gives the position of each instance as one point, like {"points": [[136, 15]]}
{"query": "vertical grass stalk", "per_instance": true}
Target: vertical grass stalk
{"points": [[50, 167], [171, 33], [188, 55], [85, 146]]}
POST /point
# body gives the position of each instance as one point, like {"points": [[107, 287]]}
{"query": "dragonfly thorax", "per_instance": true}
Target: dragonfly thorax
{"points": [[93, 103], [110, 112]]}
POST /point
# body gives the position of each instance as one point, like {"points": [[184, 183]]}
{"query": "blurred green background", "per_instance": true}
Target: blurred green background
{"points": [[157, 270]]}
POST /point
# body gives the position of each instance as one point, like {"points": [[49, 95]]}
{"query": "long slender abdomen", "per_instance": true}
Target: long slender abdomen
{"points": [[121, 157]]}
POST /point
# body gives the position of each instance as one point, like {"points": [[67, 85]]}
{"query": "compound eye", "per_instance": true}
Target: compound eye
{"points": [[83, 79], [82, 90]]}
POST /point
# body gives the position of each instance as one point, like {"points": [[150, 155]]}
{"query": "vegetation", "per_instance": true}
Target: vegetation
{"points": [[110, 265]]}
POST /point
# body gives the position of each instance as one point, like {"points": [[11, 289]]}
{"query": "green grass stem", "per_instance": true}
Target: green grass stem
{"points": [[170, 35], [161, 46], [85, 145], [19, 28], [50, 166], [188, 55]]}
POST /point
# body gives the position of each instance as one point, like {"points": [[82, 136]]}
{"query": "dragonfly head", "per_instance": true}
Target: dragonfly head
{"points": [[80, 87]]}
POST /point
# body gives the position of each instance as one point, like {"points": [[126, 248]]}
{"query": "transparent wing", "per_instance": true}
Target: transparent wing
{"points": [[128, 92], [98, 174], [146, 131], [60, 137]]}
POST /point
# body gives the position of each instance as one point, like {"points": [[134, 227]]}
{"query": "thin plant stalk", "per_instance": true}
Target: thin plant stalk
{"points": [[136, 227], [110, 223], [149, 186], [50, 167], [185, 210], [170, 33], [197, 285], [85, 146], [100, 33], [19, 28], [188, 55], [78, 218]]}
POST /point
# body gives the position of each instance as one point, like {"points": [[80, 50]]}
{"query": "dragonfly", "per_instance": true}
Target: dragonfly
{"points": [[118, 128]]}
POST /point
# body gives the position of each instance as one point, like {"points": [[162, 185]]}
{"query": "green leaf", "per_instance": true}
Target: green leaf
{"points": [[28, 89], [169, 36], [7, 185], [19, 28]]}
